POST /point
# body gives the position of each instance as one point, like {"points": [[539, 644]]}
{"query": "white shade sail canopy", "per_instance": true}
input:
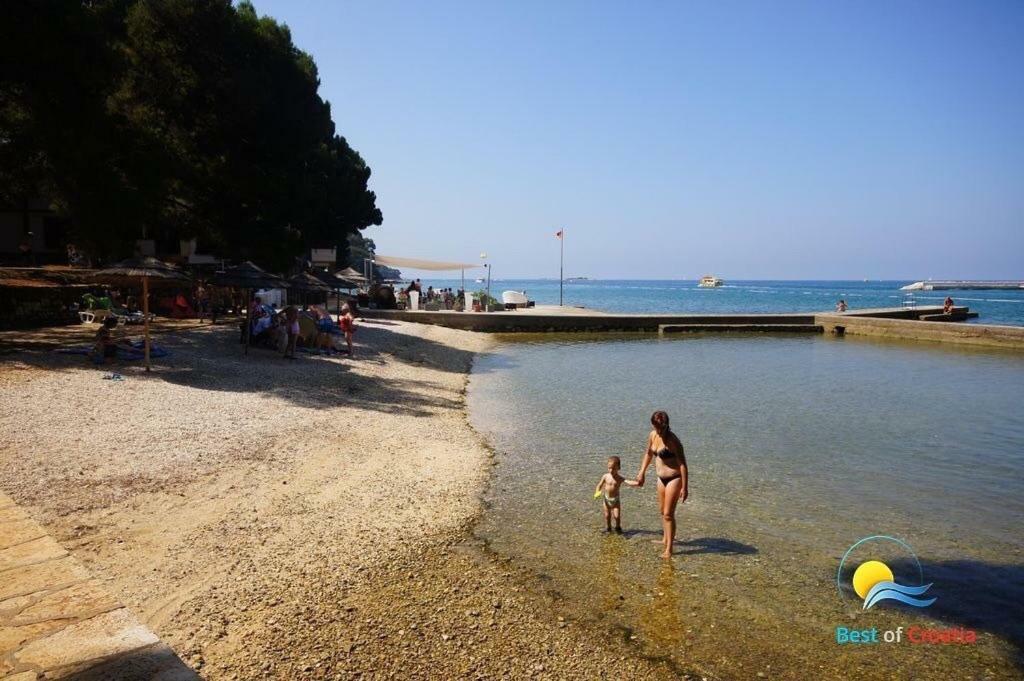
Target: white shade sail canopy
{"points": [[417, 264]]}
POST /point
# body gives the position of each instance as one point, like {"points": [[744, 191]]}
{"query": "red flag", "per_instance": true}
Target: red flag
{"points": [[558, 234]]}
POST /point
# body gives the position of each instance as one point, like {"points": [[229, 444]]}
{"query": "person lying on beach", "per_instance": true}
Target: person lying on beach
{"points": [[609, 485], [105, 344]]}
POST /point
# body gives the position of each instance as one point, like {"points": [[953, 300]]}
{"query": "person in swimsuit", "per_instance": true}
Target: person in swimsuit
{"points": [[609, 485], [347, 322], [291, 320], [666, 451]]}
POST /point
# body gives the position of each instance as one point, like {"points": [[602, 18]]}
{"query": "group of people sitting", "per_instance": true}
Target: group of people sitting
{"points": [[447, 298], [312, 327]]}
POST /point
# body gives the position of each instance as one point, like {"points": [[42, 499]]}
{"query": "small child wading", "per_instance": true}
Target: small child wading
{"points": [[609, 486]]}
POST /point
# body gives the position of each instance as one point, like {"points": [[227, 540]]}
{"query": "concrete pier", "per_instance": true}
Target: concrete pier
{"points": [[901, 323]]}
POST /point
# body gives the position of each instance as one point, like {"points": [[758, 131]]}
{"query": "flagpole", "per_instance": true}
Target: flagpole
{"points": [[561, 264]]}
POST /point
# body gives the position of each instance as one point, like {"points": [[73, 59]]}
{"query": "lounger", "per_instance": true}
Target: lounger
{"points": [[90, 316]]}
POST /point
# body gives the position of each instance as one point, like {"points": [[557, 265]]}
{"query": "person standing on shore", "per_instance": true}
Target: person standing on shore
{"points": [[347, 322], [609, 486], [291, 317], [666, 451]]}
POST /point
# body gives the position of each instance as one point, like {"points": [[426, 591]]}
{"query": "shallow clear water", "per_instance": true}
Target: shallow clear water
{"points": [[798, 447], [994, 307]]}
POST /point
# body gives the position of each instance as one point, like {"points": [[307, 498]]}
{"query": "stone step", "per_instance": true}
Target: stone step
{"points": [[740, 328], [955, 316], [57, 621]]}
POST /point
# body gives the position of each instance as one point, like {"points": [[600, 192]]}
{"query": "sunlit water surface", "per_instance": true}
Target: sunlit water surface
{"points": [[798, 447]]}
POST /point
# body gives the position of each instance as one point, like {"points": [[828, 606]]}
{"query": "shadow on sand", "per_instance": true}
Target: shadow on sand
{"points": [[975, 595], [690, 547], [211, 358]]}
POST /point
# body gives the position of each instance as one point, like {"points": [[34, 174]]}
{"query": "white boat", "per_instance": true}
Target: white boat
{"points": [[480, 280], [710, 281], [515, 299]]}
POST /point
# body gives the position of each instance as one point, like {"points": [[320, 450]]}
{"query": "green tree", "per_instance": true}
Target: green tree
{"points": [[177, 119]]}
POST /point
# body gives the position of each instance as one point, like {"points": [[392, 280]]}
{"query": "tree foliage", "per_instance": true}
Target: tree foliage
{"points": [[177, 119]]}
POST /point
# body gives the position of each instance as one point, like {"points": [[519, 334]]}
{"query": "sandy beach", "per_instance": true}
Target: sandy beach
{"points": [[287, 519]]}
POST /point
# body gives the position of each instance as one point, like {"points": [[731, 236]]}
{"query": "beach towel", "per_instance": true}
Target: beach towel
{"points": [[135, 352]]}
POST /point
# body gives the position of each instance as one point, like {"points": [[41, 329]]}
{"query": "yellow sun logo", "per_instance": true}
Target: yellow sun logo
{"points": [[875, 582], [868, 574]]}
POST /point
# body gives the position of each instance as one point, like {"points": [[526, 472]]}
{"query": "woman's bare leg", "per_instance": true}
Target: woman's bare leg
{"points": [[669, 499], [661, 504]]}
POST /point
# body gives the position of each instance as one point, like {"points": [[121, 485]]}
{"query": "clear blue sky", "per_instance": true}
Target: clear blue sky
{"points": [[671, 139]]}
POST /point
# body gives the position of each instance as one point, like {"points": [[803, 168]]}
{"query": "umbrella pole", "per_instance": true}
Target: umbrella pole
{"points": [[248, 320], [145, 315]]}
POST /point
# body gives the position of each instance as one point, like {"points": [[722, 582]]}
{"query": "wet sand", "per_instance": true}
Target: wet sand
{"points": [[287, 519]]}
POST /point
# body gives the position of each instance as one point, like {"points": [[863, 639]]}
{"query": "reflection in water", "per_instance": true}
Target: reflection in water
{"points": [[610, 584], [661, 626]]}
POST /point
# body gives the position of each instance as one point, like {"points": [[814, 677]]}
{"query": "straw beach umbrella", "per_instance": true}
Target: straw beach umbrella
{"points": [[338, 282], [248, 276], [306, 283], [145, 268], [351, 275]]}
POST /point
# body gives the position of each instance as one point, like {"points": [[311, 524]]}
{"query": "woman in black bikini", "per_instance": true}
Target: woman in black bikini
{"points": [[665, 449]]}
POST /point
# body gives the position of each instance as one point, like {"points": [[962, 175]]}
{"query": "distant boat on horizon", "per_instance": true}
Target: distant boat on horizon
{"points": [[710, 281], [577, 279]]}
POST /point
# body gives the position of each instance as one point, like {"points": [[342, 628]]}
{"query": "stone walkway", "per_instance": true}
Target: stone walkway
{"points": [[57, 622]]}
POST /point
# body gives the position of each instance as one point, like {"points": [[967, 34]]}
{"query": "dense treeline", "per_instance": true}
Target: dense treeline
{"points": [[177, 119]]}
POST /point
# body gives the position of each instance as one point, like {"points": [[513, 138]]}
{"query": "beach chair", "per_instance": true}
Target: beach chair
{"points": [[90, 316], [307, 330]]}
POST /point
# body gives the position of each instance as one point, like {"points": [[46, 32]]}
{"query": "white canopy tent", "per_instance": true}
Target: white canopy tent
{"points": [[429, 265], [418, 264]]}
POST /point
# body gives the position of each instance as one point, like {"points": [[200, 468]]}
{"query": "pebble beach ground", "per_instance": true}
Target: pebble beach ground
{"points": [[287, 519]]}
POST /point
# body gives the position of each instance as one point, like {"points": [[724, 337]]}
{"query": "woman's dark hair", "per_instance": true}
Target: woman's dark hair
{"points": [[110, 322], [659, 420]]}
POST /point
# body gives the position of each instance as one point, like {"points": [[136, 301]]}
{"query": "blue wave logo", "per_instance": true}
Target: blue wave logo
{"points": [[875, 582], [883, 591]]}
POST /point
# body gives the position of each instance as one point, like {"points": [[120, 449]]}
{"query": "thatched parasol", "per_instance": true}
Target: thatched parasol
{"points": [[336, 282], [304, 281], [351, 275], [144, 268], [247, 275], [250, 277]]}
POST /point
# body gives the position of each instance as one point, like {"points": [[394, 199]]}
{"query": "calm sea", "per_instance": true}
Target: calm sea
{"points": [[798, 447], [995, 307]]}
